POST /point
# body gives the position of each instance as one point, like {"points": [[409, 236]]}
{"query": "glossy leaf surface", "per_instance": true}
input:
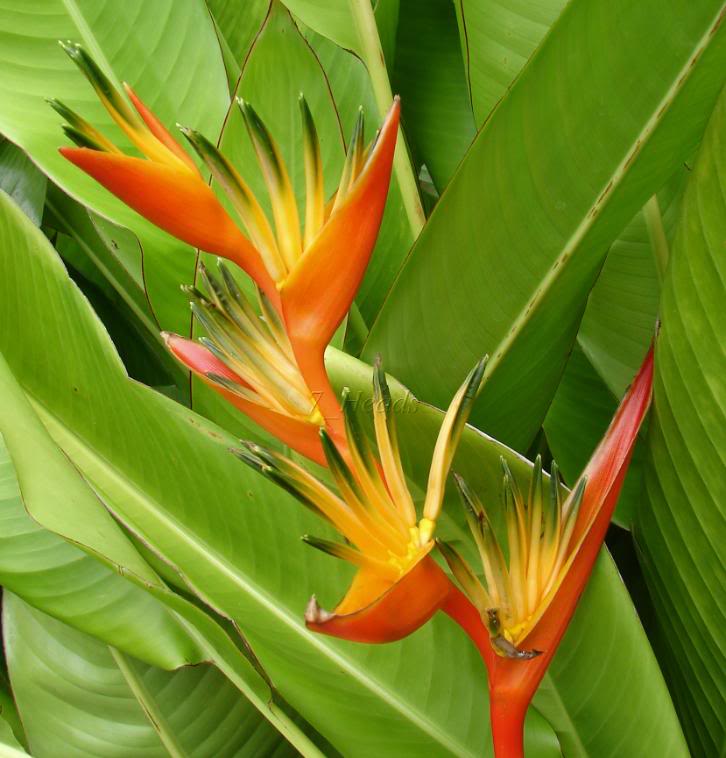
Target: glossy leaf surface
{"points": [[167, 473], [680, 527], [168, 50], [78, 696], [514, 245]]}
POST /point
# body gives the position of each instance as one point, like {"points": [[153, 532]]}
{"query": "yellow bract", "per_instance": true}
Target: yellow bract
{"points": [[516, 591], [373, 507], [255, 348]]}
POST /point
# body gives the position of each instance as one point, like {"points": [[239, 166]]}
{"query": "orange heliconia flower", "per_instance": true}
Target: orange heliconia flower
{"points": [[519, 613], [308, 274], [398, 586]]}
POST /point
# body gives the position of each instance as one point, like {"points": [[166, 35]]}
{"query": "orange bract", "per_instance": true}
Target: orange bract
{"points": [[522, 604], [310, 274], [397, 587]]}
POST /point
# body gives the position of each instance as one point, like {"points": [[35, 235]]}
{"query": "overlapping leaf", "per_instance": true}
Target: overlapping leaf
{"points": [[680, 526], [514, 245], [168, 475], [77, 696], [169, 51], [65, 582]]}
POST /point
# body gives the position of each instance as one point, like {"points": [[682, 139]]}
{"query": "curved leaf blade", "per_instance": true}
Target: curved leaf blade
{"points": [[680, 526], [516, 241], [167, 473], [78, 696]]}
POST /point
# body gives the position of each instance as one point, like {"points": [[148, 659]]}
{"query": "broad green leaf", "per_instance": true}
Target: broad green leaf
{"points": [[22, 180], [167, 50], [78, 696], [113, 252], [42, 471], [617, 325], [430, 77], [62, 580], [497, 40], [232, 537], [110, 259], [339, 22], [680, 526], [513, 247]]}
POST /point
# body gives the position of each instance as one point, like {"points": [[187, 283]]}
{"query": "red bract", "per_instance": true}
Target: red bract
{"points": [[517, 640]]}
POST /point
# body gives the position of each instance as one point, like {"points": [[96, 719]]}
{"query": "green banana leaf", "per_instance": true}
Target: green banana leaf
{"points": [[62, 580], [679, 528], [514, 245], [497, 40], [43, 471], [617, 325], [78, 696], [239, 24], [167, 474]]}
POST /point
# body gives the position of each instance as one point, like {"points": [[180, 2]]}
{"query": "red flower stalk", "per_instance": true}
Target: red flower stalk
{"points": [[519, 615], [308, 276]]}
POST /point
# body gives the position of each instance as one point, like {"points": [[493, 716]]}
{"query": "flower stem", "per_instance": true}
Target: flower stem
{"points": [[372, 55], [507, 714], [507, 708]]}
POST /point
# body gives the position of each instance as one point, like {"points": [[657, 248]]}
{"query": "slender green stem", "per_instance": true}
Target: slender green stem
{"points": [[148, 704], [657, 235], [372, 54]]}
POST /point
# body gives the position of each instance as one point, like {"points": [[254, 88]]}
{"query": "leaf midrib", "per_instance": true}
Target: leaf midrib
{"points": [[603, 198]]}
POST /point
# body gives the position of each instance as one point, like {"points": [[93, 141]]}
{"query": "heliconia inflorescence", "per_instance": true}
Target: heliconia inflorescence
{"points": [[309, 271], [265, 355], [398, 586]]}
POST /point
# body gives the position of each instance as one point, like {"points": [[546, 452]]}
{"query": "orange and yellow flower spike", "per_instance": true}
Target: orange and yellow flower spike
{"points": [[309, 274], [519, 614], [246, 357], [398, 586], [165, 187], [316, 273]]}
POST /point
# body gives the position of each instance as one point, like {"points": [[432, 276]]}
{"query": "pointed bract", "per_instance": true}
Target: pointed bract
{"points": [[299, 435], [178, 202], [374, 611], [319, 290]]}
